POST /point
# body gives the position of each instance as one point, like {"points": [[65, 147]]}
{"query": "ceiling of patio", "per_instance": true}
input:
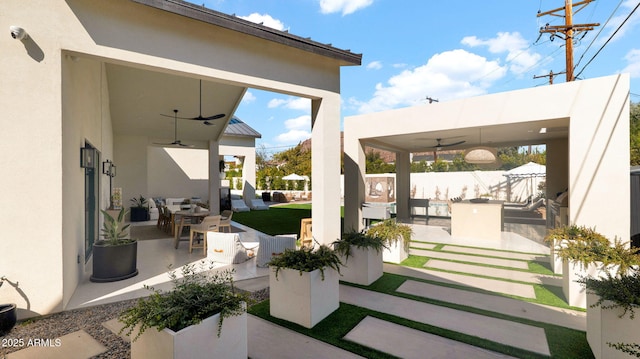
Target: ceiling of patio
{"points": [[139, 99], [513, 134]]}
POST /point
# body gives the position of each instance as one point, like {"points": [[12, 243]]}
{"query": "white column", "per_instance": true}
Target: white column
{"points": [[325, 167], [403, 186], [249, 176], [354, 179], [214, 178]]}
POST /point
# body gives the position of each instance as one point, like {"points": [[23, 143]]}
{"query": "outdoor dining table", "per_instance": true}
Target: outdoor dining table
{"points": [[194, 216]]}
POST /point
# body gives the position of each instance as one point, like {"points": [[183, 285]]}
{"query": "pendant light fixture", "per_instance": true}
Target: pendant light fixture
{"points": [[481, 154]]}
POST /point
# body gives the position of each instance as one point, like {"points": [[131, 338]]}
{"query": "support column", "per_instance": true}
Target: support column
{"points": [[354, 179], [325, 167], [403, 186], [249, 176], [214, 178]]}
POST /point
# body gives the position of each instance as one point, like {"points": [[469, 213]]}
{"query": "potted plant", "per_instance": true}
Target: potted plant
{"points": [[585, 252], [201, 317], [612, 303], [8, 315], [115, 256], [397, 237], [361, 255], [139, 209], [303, 285]]}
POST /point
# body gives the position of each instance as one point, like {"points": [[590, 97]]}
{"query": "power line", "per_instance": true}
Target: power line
{"points": [[598, 34], [610, 37]]}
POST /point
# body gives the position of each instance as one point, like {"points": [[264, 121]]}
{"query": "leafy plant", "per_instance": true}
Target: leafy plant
{"points": [[623, 291], [359, 240], [196, 296], [139, 202], [392, 232], [586, 246], [307, 260], [114, 230]]}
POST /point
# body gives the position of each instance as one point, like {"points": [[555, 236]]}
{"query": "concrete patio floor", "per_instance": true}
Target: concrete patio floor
{"points": [[267, 340]]}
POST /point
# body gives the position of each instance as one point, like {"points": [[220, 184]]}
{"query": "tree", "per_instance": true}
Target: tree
{"points": [[634, 133], [375, 164]]}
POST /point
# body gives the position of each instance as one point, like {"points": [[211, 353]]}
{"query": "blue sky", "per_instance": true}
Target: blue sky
{"points": [[414, 49]]}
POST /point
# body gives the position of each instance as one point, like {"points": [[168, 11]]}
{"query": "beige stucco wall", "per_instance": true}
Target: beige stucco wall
{"points": [[597, 168], [52, 103]]}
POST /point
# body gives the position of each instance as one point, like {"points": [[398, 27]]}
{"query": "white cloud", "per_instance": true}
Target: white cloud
{"points": [[265, 20], [248, 97], [345, 6], [292, 103], [447, 75], [519, 57], [298, 129], [616, 21], [633, 63], [374, 65]]}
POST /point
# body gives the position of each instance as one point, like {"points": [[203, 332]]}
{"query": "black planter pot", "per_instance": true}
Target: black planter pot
{"points": [[139, 214], [113, 263], [7, 318]]}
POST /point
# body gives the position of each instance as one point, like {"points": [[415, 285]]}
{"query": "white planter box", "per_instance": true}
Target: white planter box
{"points": [[196, 341], [395, 254], [303, 299], [363, 267], [555, 261], [574, 292], [605, 326]]}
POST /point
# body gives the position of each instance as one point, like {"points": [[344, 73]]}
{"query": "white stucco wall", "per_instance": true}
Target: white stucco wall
{"points": [[52, 103]]}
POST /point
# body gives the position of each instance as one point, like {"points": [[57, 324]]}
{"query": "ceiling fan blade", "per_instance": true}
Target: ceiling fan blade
{"points": [[453, 144]]}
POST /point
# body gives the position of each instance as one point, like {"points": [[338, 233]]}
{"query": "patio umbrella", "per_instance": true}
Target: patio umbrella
{"points": [[527, 171], [293, 177]]}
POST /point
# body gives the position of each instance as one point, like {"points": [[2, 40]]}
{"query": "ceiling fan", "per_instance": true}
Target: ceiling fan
{"points": [[176, 141], [200, 117], [440, 145]]}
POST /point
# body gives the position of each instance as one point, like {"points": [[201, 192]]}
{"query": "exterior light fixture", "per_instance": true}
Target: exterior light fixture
{"points": [[108, 168], [481, 155], [87, 157]]}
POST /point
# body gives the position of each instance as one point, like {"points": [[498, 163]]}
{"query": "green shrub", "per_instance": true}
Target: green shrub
{"points": [[359, 240], [392, 232], [196, 296], [307, 260]]}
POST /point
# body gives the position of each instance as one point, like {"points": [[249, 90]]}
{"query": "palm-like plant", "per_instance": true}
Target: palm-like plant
{"points": [[113, 231]]}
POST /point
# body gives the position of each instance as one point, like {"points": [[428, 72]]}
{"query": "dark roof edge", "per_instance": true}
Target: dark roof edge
{"points": [[234, 23]]}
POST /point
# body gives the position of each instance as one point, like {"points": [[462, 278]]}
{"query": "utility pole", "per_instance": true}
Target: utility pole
{"points": [[431, 100], [550, 76], [568, 31]]}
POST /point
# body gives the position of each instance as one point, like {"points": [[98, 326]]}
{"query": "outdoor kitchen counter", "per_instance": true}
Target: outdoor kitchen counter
{"points": [[477, 220]]}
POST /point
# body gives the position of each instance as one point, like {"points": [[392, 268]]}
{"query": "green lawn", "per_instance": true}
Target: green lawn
{"points": [[283, 219]]}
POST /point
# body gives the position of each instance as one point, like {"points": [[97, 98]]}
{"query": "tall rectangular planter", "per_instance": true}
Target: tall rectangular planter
{"points": [[395, 253], [574, 292], [196, 341], [363, 267], [303, 299], [605, 326], [554, 260]]}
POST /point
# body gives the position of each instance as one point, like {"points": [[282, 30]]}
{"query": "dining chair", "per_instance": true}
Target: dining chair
{"points": [[306, 235], [225, 221], [208, 224]]}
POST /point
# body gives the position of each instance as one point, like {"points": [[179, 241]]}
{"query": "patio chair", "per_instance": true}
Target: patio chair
{"points": [[527, 211], [238, 205], [258, 205], [208, 224], [227, 248], [306, 237], [225, 221], [270, 246]]}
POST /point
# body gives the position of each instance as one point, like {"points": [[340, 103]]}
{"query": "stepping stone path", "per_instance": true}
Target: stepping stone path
{"points": [[385, 336], [495, 272], [470, 258], [501, 331]]}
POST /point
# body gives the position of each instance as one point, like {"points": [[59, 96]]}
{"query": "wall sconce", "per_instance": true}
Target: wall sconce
{"points": [[108, 168], [87, 157]]}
